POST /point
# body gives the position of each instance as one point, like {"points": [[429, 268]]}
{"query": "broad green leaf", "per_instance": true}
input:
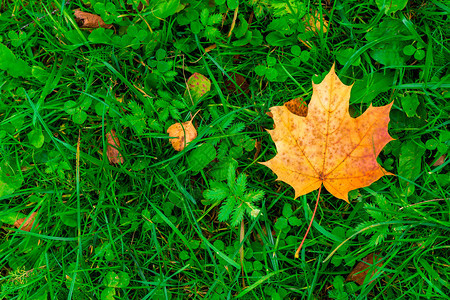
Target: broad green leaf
{"points": [[17, 38], [10, 180], [74, 36], [79, 117], [101, 36], [6, 57], [419, 55], [108, 294], [410, 163], [166, 8], [40, 74], [236, 152], [391, 6], [366, 89], [69, 220], [389, 53], [111, 279], [260, 70], [124, 279], [287, 210], [220, 170], [410, 104], [232, 4], [281, 223], [200, 157], [275, 38], [242, 28], [70, 107], [295, 50], [36, 137], [10, 217], [409, 50], [344, 55]]}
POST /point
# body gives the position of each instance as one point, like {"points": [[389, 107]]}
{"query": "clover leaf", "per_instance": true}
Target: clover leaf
{"points": [[77, 111]]}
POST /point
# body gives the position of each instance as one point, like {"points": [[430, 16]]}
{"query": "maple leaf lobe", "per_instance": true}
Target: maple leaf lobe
{"points": [[327, 146]]}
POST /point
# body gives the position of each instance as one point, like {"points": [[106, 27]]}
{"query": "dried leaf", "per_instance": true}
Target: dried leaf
{"points": [[328, 146], [88, 20], [361, 270], [315, 22], [112, 150], [240, 81], [28, 222], [183, 133], [440, 161]]}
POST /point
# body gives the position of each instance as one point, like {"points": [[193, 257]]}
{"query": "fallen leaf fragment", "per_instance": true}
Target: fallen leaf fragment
{"points": [[440, 161], [27, 222], [112, 149], [210, 48], [315, 22], [240, 81], [88, 20], [182, 134], [328, 146], [360, 271]]}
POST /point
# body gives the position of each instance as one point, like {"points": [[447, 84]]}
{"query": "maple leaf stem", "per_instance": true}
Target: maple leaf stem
{"points": [[309, 227]]}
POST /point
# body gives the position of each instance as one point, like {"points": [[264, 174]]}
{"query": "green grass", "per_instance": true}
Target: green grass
{"points": [[143, 230]]}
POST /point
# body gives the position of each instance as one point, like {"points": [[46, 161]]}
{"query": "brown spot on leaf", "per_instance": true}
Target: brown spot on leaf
{"points": [[297, 106]]}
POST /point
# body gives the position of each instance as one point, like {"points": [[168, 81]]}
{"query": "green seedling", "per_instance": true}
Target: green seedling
{"points": [[237, 200], [418, 53]]}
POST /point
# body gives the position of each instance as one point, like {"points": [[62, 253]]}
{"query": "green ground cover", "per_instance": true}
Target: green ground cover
{"points": [[171, 225]]}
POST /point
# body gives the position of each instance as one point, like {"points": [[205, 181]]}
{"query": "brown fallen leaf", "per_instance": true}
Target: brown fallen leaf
{"points": [[328, 146], [183, 133], [28, 222], [440, 161], [112, 149], [360, 271], [240, 81], [88, 20]]}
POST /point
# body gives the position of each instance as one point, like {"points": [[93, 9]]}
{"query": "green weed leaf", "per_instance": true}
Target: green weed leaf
{"points": [[410, 104], [200, 157], [218, 191], [36, 137]]}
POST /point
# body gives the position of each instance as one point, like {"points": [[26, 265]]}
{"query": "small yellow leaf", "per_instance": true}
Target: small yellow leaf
{"points": [[181, 134]]}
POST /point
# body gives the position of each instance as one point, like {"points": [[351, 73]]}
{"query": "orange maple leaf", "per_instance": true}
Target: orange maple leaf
{"points": [[327, 146]]}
